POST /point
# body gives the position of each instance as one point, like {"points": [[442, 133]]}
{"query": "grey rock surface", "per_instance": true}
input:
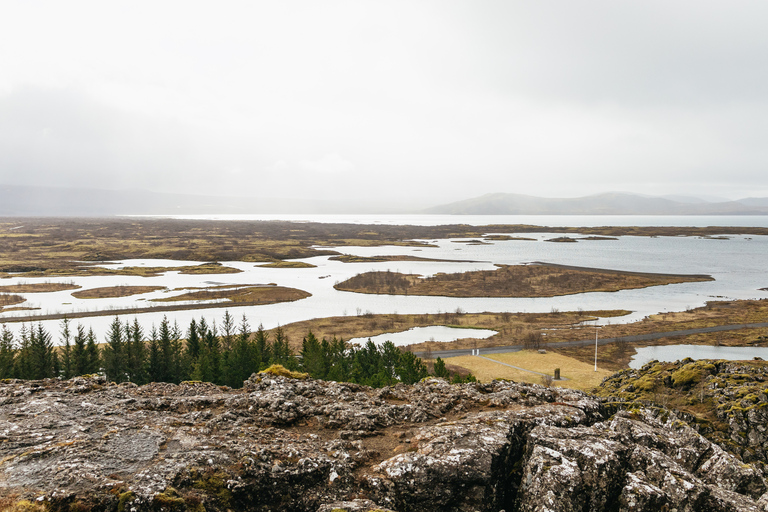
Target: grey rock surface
{"points": [[282, 444]]}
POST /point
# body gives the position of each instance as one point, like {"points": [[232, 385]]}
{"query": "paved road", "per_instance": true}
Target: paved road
{"points": [[575, 343]]}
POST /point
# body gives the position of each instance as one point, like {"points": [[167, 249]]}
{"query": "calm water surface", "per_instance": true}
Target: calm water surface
{"points": [[737, 263], [422, 334], [672, 353]]}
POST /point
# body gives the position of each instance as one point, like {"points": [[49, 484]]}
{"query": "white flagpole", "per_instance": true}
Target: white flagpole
{"points": [[595, 346]]}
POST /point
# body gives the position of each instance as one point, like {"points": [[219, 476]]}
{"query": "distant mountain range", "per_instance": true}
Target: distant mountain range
{"points": [[613, 203], [35, 201]]}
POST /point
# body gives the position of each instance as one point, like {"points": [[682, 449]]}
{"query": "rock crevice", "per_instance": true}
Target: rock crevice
{"points": [[283, 444]]}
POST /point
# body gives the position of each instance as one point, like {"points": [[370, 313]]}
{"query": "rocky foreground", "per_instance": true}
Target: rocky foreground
{"points": [[284, 444]]}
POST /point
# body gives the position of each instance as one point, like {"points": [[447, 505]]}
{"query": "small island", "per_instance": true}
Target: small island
{"points": [[535, 280], [240, 295]]}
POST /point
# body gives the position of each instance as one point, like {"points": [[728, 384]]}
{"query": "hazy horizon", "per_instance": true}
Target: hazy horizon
{"points": [[433, 101]]}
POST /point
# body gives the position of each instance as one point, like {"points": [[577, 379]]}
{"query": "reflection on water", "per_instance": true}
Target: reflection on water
{"points": [[671, 353], [422, 334]]}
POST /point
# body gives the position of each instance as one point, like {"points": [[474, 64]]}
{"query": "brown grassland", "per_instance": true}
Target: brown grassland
{"points": [[38, 247], [8, 299], [512, 328], [108, 292], [577, 374], [287, 264], [37, 287], [241, 294], [515, 329], [510, 281]]}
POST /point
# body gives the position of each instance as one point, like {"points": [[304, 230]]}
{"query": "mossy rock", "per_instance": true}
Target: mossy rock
{"points": [[214, 483], [123, 499], [25, 506], [645, 383], [691, 374], [281, 371], [169, 500]]}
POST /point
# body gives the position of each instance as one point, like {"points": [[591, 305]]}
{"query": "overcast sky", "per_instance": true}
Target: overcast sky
{"points": [[412, 100]]}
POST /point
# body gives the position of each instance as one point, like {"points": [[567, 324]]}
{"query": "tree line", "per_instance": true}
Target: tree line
{"points": [[226, 354]]}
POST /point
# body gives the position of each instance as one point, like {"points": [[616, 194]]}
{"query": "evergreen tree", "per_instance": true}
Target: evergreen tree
{"points": [[193, 341], [154, 363], [390, 357], [178, 372], [366, 368], [263, 348], [56, 364], [136, 353], [281, 352], [227, 332], [191, 350], [93, 362], [67, 366], [241, 361], [23, 363], [212, 354], [439, 369], [340, 361], [79, 356], [41, 353], [7, 354], [165, 363], [410, 368], [314, 359], [113, 354]]}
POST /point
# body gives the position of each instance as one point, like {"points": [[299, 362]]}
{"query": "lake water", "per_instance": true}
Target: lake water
{"points": [[737, 263], [672, 353], [422, 334]]}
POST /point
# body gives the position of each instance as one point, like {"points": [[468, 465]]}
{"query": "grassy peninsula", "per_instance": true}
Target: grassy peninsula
{"points": [[511, 281]]}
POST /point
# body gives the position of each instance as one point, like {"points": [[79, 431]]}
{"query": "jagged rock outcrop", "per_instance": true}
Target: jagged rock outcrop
{"points": [[730, 398], [283, 444]]}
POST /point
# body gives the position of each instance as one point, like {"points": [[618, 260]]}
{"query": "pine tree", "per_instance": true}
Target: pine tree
{"points": [[67, 367], [113, 353], [154, 357], [390, 357], [165, 363], [191, 350], [212, 352], [136, 353], [79, 355], [7, 353], [366, 368], [178, 372], [410, 368], [263, 348], [281, 352], [227, 332], [92, 359], [340, 361], [241, 361], [313, 360], [439, 369], [23, 363], [41, 353]]}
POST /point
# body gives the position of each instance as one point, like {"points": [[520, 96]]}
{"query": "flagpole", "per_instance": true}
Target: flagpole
{"points": [[596, 345]]}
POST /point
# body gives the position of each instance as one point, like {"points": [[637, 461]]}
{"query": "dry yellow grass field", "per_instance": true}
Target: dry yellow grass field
{"points": [[580, 375]]}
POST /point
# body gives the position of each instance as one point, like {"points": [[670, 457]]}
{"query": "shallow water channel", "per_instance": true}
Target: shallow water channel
{"points": [[671, 353], [422, 334], [737, 263]]}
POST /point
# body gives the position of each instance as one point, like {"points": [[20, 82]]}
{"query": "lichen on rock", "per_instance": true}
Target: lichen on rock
{"points": [[288, 444]]}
